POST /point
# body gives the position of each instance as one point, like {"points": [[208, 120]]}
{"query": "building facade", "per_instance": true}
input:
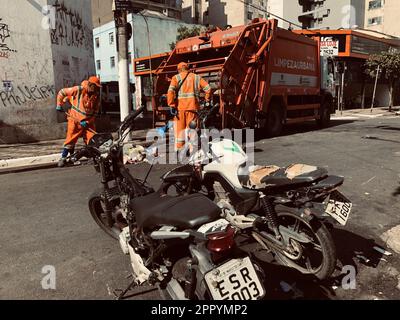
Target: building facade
{"points": [[153, 33], [102, 9], [382, 16], [323, 14], [223, 13], [39, 55]]}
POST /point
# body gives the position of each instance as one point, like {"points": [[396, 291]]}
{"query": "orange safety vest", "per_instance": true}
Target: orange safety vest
{"points": [[83, 107], [189, 92]]}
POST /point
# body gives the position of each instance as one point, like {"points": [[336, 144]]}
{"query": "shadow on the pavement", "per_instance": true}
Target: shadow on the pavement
{"points": [[309, 126], [396, 193], [352, 248], [388, 128], [284, 283]]}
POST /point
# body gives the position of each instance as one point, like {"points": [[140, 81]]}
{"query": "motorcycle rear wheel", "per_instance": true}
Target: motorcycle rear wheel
{"points": [[96, 208], [323, 245]]}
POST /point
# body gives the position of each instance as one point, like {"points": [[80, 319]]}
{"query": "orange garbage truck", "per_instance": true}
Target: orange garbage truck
{"points": [[261, 75]]}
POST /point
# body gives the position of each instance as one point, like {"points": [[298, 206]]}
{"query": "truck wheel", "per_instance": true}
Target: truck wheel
{"points": [[325, 115], [274, 123]]}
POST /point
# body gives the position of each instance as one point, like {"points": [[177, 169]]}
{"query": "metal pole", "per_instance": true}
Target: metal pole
{"points": [[342, 94], [376, 84], [123, 63]]}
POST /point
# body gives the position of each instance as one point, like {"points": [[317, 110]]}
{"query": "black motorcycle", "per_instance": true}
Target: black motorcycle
{"points": [[178, 242]]}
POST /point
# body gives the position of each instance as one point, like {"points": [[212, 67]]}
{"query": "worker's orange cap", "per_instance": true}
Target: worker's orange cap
{"points": [[95, 80], [183, 65]]}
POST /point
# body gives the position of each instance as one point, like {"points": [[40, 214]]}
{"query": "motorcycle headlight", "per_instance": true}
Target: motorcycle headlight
{"points": [[105, 147]]}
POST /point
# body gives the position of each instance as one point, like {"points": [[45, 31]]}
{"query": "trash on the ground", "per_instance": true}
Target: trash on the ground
{"points": [[367, 194], [369, 137], [335, 287], [364, 258], [383, 259], [134, 155], [383, 251], [398, 285], [286, 287]]}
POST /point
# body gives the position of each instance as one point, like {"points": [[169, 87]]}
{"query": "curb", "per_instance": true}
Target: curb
{"points": [[43, 162], [22, 164]]}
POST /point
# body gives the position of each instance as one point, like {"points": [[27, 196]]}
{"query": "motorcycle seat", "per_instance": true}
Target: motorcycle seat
{"points": [[185, 212], [259, 178]]}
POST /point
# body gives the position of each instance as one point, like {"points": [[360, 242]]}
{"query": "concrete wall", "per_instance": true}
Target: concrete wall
{"points": [[72, 42], [102, 12], [32, 63]]}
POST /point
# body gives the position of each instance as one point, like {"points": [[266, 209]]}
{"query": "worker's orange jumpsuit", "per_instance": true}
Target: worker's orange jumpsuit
{"points": [[188, 100], [83, 108]]}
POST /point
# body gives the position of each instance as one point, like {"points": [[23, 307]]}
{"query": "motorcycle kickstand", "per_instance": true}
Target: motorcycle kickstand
{"points": [[121, 296]]}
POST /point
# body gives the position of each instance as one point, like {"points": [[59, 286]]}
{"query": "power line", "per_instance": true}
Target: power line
{"points": [[270, 13]]}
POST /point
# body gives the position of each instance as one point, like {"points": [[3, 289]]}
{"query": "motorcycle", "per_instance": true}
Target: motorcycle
{"points": [[179, 243], [287, 211]]}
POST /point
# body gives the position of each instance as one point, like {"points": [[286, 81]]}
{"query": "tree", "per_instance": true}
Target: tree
{"points": [[185, 32], [389, 65]]}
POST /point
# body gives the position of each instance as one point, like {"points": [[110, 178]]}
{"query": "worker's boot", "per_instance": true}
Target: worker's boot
{"points": [[63, 160]]}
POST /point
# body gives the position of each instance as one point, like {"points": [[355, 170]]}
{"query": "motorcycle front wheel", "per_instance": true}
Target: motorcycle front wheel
{"points": [[97, 211], [316, 258]]}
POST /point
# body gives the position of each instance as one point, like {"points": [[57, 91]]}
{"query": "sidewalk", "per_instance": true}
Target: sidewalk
{"points": [[17, 157], [366, 113]]}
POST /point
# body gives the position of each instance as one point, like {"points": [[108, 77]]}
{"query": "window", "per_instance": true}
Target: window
{"points": [[97, 40], [112, 62], [98, 64], [111, 37], [375, 4], [250, 15], [130, 58], [375, 21]]}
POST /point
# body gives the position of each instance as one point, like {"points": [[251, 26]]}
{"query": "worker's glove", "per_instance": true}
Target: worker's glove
{"points": [[84, 124], [59, 109]]}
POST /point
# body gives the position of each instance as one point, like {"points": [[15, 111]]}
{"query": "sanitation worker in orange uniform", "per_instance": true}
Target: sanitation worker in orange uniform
{"points": [[187, 99], [85, 102]]}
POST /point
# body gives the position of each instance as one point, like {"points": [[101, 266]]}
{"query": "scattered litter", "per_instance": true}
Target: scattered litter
{"points": [[380, 293], [398, 286], [370, 137], [370, 180], [109, 290], [367, 194], [383, 259], [286, 287], [365, 259], [383, 251], [335, 287]]}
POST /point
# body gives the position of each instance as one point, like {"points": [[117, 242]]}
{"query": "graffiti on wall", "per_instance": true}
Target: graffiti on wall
{"points": [[70, 30], [4, 36], [23, 94]]}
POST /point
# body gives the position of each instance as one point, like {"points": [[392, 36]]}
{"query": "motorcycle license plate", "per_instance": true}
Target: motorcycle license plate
{"points": [[235, 280], [339, 207]]}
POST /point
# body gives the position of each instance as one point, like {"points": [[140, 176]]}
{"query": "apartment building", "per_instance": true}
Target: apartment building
{"points": [[222, 13], [382, 16]]}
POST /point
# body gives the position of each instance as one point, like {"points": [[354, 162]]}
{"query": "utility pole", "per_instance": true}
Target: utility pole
{"points": [[121, 8], [375, 86]]}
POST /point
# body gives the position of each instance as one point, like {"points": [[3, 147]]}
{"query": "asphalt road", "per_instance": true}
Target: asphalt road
{"points": [[45, 219]]}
